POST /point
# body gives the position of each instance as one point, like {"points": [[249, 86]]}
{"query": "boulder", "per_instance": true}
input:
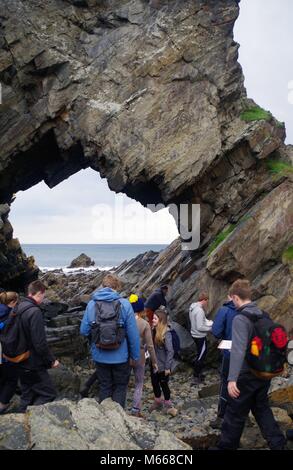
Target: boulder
{"points": [[82, 261], [86, 425], [283, 398]]}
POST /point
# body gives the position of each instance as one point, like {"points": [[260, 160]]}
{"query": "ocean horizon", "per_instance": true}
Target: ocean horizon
{"points": [[106, 256]]}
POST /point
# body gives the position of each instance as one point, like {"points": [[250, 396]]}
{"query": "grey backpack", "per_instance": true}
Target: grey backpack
{"points": [[108, 331]]}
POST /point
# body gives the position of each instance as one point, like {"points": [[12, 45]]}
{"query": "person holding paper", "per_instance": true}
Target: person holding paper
{"points": [[247, 392], [200, 326], [222, 329]]}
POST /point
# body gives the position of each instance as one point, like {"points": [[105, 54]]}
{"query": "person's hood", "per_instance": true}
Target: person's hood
{"points": [[230, 304], [106, 294], [4, 310], [25, 304], [251, 309], [197, 303]]}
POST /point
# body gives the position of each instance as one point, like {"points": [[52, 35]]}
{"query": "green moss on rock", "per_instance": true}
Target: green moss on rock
{"points": [[255, 113], [221, 237], [277, 167], [287, 256]]}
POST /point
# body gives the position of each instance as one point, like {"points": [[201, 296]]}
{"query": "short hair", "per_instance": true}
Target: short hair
{"points": [[112, 281], [242, 289], [203, 296], [35, 287]]}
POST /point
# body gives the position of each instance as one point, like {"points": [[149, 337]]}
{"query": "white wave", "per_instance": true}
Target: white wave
{"points": [[66, 270]]}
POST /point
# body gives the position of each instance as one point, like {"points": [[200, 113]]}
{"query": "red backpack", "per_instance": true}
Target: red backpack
{"points": [[267, 350]]}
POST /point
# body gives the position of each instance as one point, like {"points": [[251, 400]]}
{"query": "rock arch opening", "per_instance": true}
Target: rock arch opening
{"points": [[80, 215]]}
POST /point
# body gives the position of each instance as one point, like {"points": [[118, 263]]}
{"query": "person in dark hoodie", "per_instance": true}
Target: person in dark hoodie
{"points": [[113, 365], [36, 385], [8, 379], [154, 301], [247, 392], [222, 329]]}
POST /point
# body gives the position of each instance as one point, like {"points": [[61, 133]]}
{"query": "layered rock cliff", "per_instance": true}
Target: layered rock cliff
{"points": [[153, 99]]}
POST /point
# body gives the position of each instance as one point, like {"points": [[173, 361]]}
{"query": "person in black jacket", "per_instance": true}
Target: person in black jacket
{"points": [[36, 385], [154, 301]]}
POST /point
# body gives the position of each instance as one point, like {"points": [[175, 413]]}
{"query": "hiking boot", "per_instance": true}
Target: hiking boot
{"points": [[217, 423], [157, 405]]}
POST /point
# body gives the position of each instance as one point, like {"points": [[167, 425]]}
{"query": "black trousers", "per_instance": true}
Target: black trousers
{"points": [[8, 383], [36, 388], [224, 396], [160, 383], [253, 397], [202, 349], [113, 380]]}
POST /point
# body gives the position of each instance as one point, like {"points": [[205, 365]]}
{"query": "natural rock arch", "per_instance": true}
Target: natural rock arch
{"points": [[153, 99]]}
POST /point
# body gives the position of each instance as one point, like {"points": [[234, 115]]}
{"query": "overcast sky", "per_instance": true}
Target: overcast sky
{"points": [[72, 212]]}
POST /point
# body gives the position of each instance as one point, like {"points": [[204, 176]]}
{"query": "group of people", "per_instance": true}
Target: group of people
{"points": [[122, 333], [30, 367], [243, 389], [147, 332]]}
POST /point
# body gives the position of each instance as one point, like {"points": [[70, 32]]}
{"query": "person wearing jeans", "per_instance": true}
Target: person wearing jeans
{"points": [[113, 381], [112, 365], [222, 329]]}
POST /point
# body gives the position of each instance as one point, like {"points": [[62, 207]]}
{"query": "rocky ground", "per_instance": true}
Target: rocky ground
{"points": [[75, 423]]}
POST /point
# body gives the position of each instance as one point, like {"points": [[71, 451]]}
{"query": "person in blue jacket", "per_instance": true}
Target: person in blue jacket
{"points": [[113, 365], [222, 329]]}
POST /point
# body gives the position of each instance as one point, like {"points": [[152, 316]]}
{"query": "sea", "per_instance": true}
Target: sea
{"points": [[51, 257]]}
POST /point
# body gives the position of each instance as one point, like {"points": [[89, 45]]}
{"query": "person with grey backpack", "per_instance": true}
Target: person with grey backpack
{"points": [[110, 323]]}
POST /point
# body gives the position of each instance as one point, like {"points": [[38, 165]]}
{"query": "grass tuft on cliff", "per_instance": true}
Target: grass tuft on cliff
{"points": [[255, 113], [221, 237], [277, 167], [287, 256]]}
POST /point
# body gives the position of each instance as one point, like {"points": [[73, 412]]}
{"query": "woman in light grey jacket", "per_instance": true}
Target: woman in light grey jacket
{"points": [[164, 352]]}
